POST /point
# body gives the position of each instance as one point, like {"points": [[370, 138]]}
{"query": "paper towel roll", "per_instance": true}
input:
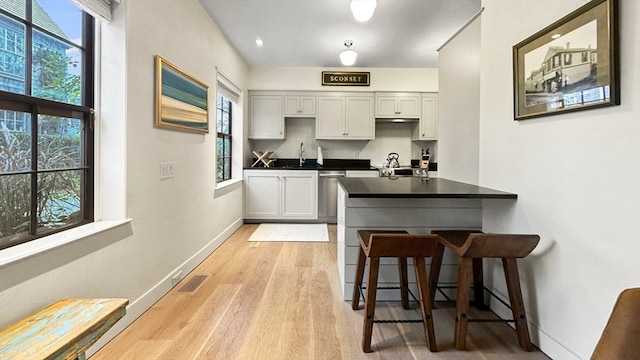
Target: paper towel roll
{"points": [[320, 158]]}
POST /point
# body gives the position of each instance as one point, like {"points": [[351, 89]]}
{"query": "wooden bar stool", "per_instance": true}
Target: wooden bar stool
{"points": [[471, 247], [619, 339], [375, 244]]}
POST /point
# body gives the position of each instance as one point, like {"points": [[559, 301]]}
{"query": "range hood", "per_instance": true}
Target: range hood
{"points": [[397, 120]]}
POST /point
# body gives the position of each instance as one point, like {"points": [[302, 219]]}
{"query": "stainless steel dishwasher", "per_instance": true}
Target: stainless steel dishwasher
{"points": [[328, 195]]}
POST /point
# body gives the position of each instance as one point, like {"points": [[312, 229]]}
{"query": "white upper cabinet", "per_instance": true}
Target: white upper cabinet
{"points": [[346, 117], [427, 128], [360, 123], [266, 120], [393, 105], [299, 105], [331, 120]]}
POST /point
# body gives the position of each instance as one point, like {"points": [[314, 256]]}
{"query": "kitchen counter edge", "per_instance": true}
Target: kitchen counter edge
{"points": [[415, 187]]}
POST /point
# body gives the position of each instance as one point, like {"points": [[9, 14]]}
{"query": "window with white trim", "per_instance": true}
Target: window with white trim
{"points": [[223, 145], [229, 130], [46, 134]]}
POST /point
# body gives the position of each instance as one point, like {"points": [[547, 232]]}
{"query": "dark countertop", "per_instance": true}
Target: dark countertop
{"points": [[311, 164], [415, 187]]}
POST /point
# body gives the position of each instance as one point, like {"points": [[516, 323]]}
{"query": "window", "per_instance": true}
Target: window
{"points": [[229, 130], [223, 146], [46, 135]]}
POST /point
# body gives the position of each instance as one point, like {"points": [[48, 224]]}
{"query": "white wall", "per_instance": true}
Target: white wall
{"points": [[389, 137], [577, 179], [175, 222], [459, 105], [310, 78]]}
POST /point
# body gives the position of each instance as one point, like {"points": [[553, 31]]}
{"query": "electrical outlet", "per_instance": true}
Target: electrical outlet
{"points": [[167, 170], [176, 277]]}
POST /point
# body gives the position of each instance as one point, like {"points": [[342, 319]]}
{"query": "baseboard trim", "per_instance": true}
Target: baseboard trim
{"points": [[155, 293], [548, 344]]}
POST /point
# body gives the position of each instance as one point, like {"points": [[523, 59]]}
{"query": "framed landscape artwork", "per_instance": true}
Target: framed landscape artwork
{"points": [[570, 65], [181, 100]]}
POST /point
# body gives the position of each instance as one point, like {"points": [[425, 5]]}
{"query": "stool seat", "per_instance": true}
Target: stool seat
{"points": [[375, 244], [477, 244], [470, 247], [380, 243]]}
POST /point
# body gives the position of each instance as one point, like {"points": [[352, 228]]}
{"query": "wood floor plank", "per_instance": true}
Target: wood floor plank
{"points": [[198, 331], [266, 330], [144, 349], [282, 301]]}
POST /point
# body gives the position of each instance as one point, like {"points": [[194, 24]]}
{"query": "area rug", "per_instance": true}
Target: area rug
{"points": [[291, 232]]}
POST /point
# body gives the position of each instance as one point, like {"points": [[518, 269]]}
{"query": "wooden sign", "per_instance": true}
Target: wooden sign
{"points": [[339, 78]]}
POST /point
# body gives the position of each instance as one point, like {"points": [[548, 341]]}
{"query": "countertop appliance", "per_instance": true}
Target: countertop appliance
{"points": [[392, 160], [403, 170]]}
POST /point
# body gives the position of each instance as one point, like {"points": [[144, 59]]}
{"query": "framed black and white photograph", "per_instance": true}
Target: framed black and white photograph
{"points": [[570, 65]]}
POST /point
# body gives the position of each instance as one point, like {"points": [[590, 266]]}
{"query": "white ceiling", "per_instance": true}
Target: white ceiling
{"points": [[311, 33]]}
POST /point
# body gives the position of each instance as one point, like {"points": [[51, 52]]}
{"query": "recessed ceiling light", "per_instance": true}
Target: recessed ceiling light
{"points": [[555, 36], [259, 42]]}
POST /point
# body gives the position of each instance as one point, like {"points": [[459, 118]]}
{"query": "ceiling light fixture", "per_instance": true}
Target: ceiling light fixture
{"points": [[348, 56], [259, 42], [363, 9]]}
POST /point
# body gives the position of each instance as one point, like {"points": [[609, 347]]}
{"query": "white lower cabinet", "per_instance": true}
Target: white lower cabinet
{"points": [[281, 194]]}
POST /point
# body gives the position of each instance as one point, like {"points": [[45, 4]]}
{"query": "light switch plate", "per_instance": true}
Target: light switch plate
{"points": [[167, 170]]}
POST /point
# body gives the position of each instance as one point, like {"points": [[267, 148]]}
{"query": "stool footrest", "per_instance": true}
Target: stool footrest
{"points": [[440, 287], [397, 321], [386, 287], [362, 288], [491, 320]]}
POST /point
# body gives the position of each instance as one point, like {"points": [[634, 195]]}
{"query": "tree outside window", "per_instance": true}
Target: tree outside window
{"points": [[223, 145], [46, 140]]}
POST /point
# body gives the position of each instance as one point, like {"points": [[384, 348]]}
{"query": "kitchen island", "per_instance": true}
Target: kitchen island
{"points": [[404, 203]]}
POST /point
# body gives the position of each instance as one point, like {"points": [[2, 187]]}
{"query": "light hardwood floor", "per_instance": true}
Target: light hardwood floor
{"points": [[275, 300]]}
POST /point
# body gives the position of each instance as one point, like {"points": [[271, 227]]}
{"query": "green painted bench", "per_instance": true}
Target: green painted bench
{"points": [[64, 330]]}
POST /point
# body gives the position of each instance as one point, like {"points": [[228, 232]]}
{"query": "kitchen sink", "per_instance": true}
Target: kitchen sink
{"points": [[304, 166]]}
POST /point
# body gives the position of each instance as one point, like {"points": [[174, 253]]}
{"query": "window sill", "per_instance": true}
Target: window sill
{"points": [[227, 183], [34, 247]]}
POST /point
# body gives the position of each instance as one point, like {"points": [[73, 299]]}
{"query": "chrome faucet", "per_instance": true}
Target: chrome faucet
{"points": [[302, 159]]}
